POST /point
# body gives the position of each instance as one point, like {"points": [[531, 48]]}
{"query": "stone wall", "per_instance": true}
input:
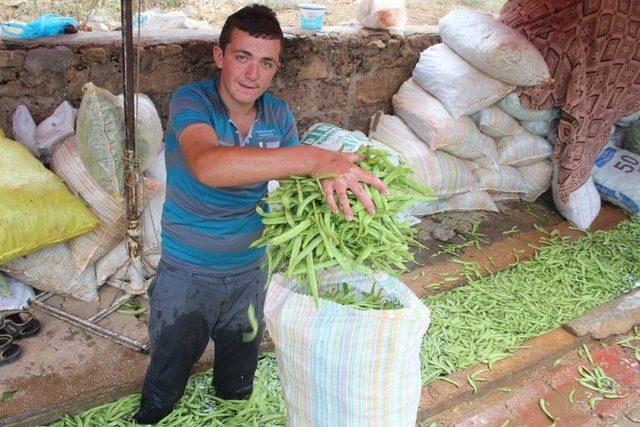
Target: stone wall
{"points": [[340, 75]]}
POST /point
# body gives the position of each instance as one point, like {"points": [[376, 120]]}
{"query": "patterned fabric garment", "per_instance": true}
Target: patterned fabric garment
{"points": [[593, 53]]}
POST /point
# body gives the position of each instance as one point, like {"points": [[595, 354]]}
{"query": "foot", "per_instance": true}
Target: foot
{"points": [[150, 414]]}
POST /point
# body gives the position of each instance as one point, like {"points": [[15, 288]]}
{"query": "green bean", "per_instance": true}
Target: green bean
{"points": [[545, 409]]}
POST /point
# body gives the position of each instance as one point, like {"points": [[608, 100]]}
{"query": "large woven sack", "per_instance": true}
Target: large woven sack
{"points": [[53, 270], [444, 174], [616, 175], [523, 149], [583, 205], [18, 296], [494, 48], [543, 129], [340, 366], [538, 178], [464, 202], [100, 135], [432, 123], [628, 120], [511, 105], [150, 225], [496, 123], [87, 249], [505, 179], [462, 88], [483, 151], [36, 209], [148, 129], [334, 138]]}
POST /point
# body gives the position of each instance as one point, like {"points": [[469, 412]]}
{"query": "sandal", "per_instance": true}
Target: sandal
{"points": [[9, 351], [19, 324]]}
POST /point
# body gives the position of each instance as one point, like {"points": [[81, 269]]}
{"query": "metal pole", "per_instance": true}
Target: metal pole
{"points": [[131, 178]]}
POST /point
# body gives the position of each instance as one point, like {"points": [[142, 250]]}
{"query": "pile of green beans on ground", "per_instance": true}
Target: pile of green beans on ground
{"points": [[304, 236], [198, 406], [490, 316], [354, 298], [479, 322]]}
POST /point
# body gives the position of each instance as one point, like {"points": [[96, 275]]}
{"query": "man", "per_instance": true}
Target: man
{"points": [[226, 138]]}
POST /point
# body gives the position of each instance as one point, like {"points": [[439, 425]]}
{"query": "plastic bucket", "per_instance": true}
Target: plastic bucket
{"points": [[311, 15]]}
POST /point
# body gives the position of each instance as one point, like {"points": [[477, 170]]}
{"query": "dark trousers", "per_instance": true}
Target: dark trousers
{"points": [[188, 309]]}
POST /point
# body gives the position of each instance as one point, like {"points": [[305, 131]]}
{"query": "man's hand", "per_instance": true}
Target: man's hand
{"points": [[349, 178]]}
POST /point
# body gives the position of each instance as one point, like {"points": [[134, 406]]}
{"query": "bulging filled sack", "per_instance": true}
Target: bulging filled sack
{"points": [[90, 247], [100, 138], [444, 174], [433, 124], [381, 383], [616, 175], [53, 270], [583, 205], [522, 149], [538, 178], [494, 48], [543, 129], [496, 123], [148, 129], [505, 179], [511, 105], [462, 88], [36, 209]]}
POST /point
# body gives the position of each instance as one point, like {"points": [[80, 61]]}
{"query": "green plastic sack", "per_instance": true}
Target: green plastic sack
{"points": [[36, 209], [100, 138]]}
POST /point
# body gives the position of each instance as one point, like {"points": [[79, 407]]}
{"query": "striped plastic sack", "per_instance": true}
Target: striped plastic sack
{"points": [[503, 197], [493, 47], [472, 201], [443, 173], [538, 178], [494, 122], [511, 105], [462, 88], [583, 205], [483, 151], [90, 247], [506, 179], [464, 202], [53, 270], [345, 367], [543, 129], [431, 122], [18, 296], [334, 138], [523, 149]]}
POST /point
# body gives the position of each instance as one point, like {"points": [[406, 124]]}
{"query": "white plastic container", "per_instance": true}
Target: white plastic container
{"points": [[311, 15]]}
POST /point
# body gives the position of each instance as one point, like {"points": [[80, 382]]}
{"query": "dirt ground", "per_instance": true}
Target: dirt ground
{"points": [[419, 12]]}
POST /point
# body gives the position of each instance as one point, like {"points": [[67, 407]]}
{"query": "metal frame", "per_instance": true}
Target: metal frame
{"points": [[90, 324]]}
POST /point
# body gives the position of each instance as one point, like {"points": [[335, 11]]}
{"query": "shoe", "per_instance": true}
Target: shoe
{"points": [[9, 351], [150, 414], [19, 324], [242, 395]]}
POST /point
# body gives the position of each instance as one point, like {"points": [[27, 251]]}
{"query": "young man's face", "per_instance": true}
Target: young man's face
{"points": [[247, 66]]}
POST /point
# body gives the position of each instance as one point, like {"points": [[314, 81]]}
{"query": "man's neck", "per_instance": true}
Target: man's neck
{"points": [[235, 110]]}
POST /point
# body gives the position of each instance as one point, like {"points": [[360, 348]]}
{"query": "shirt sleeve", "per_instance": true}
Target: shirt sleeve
{"points": [[290, 138], [187, 107]]}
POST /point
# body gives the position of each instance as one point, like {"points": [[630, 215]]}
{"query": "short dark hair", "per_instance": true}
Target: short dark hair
{"points": [[256, 20]]}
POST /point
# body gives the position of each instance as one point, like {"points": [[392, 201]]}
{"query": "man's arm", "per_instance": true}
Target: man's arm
{"points": [[217, 166]]}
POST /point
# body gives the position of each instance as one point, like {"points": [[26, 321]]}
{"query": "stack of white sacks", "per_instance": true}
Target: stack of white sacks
{"points": [[91, 164], [459, 124]]}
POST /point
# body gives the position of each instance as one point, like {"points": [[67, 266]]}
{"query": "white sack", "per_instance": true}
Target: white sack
{"points": [[522, 149], [54, 129], [382, 14], [538, 178], [496, 123], [24, 129], [511, 105], [616, 175], [506, 179], [19, 295], [583, 205], [462, 88]]}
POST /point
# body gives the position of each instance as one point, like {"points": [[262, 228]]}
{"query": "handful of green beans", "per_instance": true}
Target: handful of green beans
{"points": [[303, 235], [353, 298]]}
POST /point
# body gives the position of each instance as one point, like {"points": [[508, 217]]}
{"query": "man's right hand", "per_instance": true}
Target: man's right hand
{"points": [[349, 176]]}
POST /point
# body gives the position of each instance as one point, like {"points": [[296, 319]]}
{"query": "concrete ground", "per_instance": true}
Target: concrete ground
{"points": [[65, 369]]}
